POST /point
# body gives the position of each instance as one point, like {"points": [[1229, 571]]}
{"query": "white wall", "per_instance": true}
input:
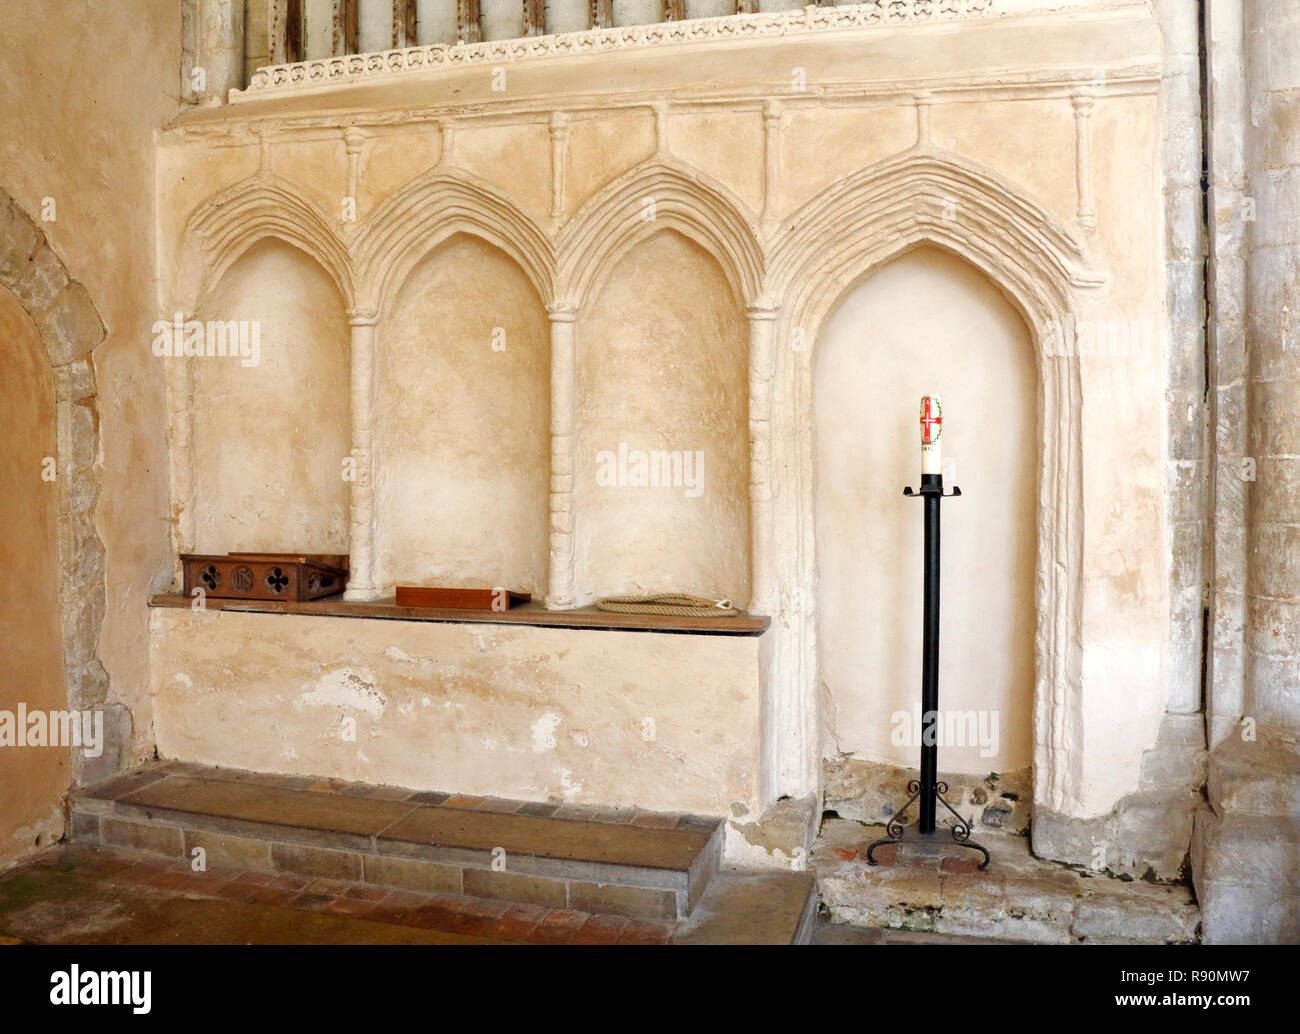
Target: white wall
{"points": [[927, 322]]}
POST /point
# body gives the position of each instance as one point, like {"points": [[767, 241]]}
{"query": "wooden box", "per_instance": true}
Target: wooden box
{"points": [[459, 599], [266, 576]]}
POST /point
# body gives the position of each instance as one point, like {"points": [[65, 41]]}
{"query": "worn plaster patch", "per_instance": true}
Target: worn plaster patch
{"points": [[544, 732], [343, 687]]}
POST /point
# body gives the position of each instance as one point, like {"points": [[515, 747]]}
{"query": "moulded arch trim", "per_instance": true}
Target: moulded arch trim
{"points": [[934, 195], [69, 345], [429, 210], [225, 226], [613, 221]]}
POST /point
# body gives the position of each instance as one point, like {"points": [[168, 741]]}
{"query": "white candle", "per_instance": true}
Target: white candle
{"points": [[931, 433]]}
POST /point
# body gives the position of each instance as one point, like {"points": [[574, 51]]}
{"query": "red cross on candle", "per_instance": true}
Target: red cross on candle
{"points": [[931, 422]]}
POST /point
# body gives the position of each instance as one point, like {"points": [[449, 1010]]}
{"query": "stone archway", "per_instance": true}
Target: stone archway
{"points": [[71, 328]]}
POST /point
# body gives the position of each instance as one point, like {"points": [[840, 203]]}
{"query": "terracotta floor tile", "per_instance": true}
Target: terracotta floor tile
{"points": [[600, 930], [271, 896], [235, 891], [462, 801], [646, 931], [311, 902], [484, 908], [365, 892], [349, 907], [334, 888]]}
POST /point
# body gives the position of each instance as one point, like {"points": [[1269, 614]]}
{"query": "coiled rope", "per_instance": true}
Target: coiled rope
{"points": [[669, 605]]}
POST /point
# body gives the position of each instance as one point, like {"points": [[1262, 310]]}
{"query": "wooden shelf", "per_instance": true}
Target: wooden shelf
{"points": [[529, 614]]}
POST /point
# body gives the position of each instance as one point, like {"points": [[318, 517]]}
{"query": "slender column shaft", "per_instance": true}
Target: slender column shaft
{"points": [[361, 498], [560, 578]]}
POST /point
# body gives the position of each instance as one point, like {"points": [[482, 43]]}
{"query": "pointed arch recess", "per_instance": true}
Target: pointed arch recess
{"points": [[854, 227], [225, 226]]}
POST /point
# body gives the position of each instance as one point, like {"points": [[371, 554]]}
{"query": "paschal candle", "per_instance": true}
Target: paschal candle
{"points": [[931, 433]]}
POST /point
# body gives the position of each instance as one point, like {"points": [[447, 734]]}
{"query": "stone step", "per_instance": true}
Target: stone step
{"points": [[608, 861], [937, 887], [754, 907]]}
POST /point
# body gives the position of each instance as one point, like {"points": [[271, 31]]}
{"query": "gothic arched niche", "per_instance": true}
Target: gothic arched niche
{"points": [[271, 420], [926, 322], [462, 432], [662, 387]]}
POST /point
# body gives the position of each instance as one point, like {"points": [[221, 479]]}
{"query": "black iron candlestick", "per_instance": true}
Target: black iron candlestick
{"points": [[929, 790]]}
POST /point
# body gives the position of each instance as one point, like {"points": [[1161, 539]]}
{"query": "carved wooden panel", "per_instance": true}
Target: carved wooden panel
{"points": [[404, 25], [347, 27], [468, 29], [265, 576], [534, 17]]}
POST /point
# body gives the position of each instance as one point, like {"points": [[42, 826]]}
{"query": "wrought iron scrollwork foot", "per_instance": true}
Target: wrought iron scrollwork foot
{"points": [[961, 829]]}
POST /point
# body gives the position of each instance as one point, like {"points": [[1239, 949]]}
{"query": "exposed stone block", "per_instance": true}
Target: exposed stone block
{"points": [[412, 874], [224, 851], [74, 381], [316, 861], [508, 886], [18, 240], [142, 836], [70, 325]]}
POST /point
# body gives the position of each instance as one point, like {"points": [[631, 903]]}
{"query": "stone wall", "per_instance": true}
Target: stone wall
{"points": [[829, 143]]}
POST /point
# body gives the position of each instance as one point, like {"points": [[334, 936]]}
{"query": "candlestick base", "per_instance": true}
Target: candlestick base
{"points": [[961, 830]]}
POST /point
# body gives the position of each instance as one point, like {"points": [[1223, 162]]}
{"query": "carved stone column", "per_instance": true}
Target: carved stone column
{"points": [[762, 360], [771, 163], [559, 134], [361, 539], [560, 589], [1083, 104]]}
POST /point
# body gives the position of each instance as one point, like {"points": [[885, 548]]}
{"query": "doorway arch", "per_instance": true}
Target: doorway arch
{"points": [[70, 328]]}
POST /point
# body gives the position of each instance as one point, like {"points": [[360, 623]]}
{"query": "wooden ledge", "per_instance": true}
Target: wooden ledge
{"points": [[529, 614]]}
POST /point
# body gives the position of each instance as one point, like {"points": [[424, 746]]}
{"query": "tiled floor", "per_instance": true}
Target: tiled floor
{"points": [[85, 895]]}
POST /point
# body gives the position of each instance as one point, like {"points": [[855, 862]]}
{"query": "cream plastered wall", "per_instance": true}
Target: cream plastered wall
{"points": [[462, 463], [657, 721], [661, 370], [85, 90], [269, 450], [34, 778], [801, 158], [927, 322]]}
